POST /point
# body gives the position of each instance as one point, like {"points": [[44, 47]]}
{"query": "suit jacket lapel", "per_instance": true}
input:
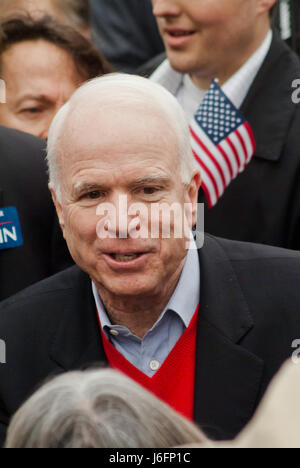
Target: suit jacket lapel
{"points": [[272, 90], [78, 343], [228, 377]]}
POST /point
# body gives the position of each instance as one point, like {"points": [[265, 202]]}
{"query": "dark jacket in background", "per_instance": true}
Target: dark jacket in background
{"points": [[263, 204], [24, 185], [126, 32], [248, 319]]}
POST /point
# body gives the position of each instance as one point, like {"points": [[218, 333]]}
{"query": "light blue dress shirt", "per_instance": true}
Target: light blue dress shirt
{"points": [[149, 353]]}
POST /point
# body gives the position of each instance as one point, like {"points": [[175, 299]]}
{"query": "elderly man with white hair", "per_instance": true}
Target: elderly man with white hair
{"points": [[203, 329]]}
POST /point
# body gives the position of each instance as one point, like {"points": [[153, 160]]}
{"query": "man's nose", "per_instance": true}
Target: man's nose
{"points": [[113, 218], [120, 202], [163, 8], [129, 216]]}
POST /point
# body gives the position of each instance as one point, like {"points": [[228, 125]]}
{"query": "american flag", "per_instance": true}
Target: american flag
{"points": [[222, 141]]}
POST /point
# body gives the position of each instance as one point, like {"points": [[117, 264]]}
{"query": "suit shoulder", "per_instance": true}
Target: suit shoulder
{"points": [[268, 279], [23, 150], [244, 251], [15, 139], [149, 67], [283, 54], [44, 293], [293, 61]]}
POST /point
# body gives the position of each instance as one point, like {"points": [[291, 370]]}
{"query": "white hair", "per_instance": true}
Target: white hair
{"points": [[98, 409], [118, 89]]}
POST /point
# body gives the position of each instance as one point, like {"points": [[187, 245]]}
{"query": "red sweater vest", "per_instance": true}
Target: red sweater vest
{"points": [[174, 381]]}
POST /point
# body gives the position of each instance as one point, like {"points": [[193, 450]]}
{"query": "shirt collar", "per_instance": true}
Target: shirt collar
{"points": [[169, 78], [184, 300], [236, 88], [186, 296]]}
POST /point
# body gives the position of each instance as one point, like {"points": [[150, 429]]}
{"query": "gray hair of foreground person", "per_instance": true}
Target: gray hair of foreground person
{"points": [[98, 409], [123, 92]]}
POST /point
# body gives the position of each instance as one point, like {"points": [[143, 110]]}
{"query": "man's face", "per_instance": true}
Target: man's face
{"points": [[205, 36], [39, 78], [113, 153]]}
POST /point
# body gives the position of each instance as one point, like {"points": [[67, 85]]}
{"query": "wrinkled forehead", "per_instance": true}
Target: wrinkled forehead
{"points": [[108, 129], [104, 104]]}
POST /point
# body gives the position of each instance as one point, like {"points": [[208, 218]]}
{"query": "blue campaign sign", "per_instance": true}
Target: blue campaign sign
{"points": [[10, 229]]}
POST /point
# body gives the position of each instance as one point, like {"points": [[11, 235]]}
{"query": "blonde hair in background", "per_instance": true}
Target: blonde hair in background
{"points": [[98, 409], [75, 13]]}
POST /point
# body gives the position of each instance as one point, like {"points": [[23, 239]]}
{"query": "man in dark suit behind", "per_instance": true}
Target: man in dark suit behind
{"points": [[205, 331], [126, 32], [233, 41], [40, 250]]}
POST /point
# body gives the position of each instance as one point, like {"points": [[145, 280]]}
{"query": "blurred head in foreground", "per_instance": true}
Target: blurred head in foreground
{"points": [[276, 421], [98, 409], [42, 63]]}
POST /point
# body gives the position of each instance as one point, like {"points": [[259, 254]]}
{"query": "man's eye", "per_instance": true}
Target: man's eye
{"points": [[32, 110], [94, 195], [149, 190]]}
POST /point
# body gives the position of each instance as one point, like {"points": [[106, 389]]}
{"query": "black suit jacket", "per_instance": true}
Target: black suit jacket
{"points": [[263, 204], [126, 32], [248, 319], [24, 185]]}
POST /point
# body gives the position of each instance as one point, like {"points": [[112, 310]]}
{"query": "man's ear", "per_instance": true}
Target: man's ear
{"points": [[58, 207], [193, 191], [266, 5]]}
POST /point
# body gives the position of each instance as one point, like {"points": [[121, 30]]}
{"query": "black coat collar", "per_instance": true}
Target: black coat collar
{"points": [[268, 106], [227, 376], [77, 343]]}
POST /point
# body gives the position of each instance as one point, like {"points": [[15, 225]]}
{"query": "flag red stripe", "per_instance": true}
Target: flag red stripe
{"points": [[207, 194], [226, 160], [234, 152], [243, 145], [206, 150], [251, 135], [208, 173]]}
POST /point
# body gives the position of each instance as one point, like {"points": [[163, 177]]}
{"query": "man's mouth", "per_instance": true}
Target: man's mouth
{"points": [[176, 37], [179, 33], [125, 257]]}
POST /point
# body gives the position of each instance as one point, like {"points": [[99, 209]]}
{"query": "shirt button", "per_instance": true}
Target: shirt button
{"points": [[114, 332], [154, 365]]}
